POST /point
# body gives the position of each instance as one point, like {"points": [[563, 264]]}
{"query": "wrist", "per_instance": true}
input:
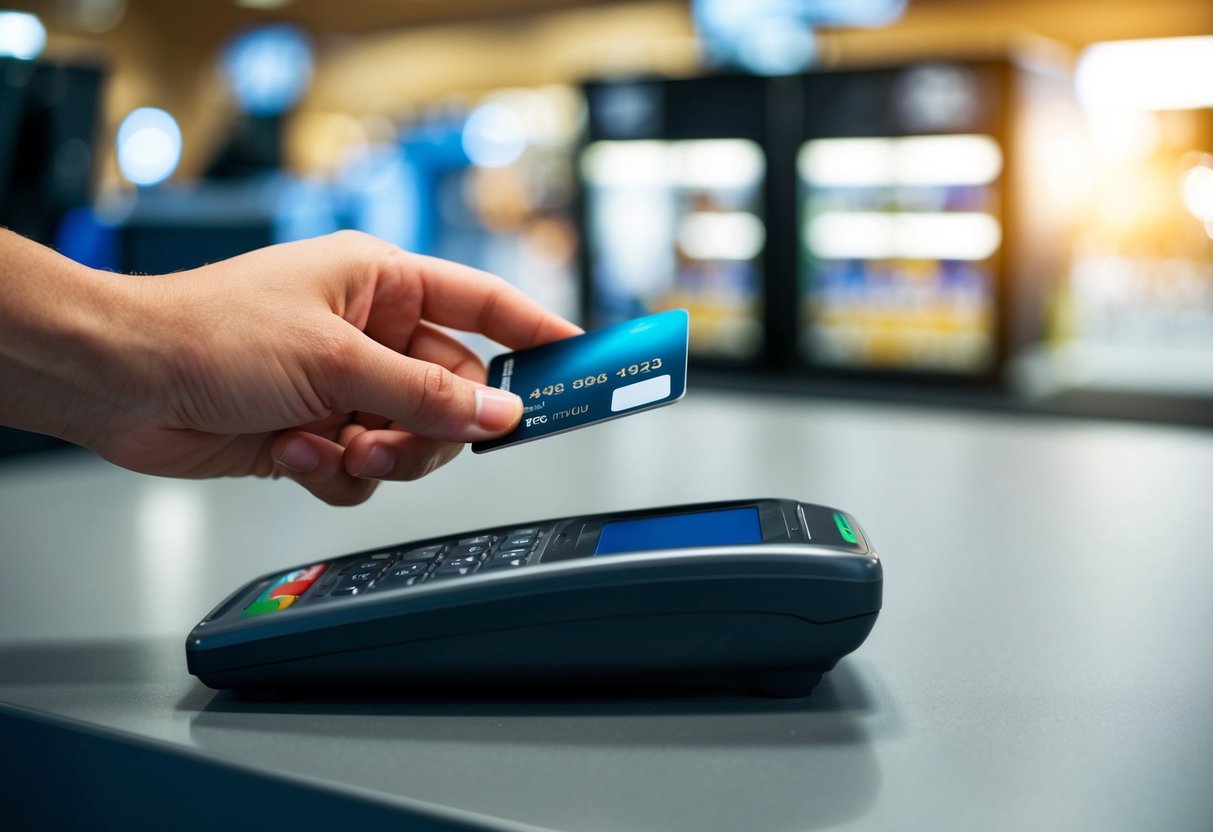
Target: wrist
{"points": [[65, 351]]}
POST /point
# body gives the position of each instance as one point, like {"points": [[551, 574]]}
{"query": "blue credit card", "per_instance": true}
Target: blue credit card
{"points": [[615, 371]]}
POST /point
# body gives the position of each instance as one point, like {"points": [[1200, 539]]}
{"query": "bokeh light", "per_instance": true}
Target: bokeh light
{"points": [[268, 69], [22, 36], [494, 136], [1197, 191], [774, 37], [149, 146], [1150, 74]]}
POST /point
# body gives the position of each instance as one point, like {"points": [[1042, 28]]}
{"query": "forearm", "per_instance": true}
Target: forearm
{"points": [[60, 328]]}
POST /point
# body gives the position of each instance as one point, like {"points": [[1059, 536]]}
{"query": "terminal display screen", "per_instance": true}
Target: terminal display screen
{"points": [[681, 531]]}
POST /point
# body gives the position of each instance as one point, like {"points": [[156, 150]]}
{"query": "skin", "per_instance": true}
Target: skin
{"points": [[321, 360]]}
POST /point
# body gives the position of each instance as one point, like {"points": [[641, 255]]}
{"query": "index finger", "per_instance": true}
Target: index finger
{"points": [[465, 298]]}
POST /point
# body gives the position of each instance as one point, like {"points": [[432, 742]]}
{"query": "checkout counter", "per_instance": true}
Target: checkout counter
{"points": [[1041, 661]]}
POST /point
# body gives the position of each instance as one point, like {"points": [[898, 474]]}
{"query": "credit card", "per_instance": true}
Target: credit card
{"points": [[615, 371]]}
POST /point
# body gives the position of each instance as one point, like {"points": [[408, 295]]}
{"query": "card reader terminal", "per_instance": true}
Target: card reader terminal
{"points": [[766, 593]]}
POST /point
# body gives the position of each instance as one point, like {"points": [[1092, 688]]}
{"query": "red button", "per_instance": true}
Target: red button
{"points": [[300, 585], [312, 573]]}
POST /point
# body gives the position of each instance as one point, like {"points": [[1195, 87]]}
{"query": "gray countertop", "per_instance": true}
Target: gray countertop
{"points": [[1041, 661]]}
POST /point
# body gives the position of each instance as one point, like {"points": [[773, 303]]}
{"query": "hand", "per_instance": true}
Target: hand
{"points": [[320, 360]]}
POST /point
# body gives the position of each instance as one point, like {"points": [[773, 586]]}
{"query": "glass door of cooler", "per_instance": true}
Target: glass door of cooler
{"points": [[678, 224], [674, 202], [900, 194]]}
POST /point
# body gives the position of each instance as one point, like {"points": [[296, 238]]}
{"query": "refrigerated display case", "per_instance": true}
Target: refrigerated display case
{"points": [[675, 200], [901, 205]]}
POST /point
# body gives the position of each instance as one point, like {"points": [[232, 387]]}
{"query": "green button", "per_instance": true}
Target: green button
{"points": [[844, 528]]}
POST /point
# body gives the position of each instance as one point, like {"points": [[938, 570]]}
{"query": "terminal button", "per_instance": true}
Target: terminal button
{"points": [[469, 550], [404, 574], [454, 567], [355, 578], [509, 560], [518, 541], [425, 553]]}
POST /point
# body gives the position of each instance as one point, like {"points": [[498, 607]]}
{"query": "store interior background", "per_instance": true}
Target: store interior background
{"points": [[990, 204]]}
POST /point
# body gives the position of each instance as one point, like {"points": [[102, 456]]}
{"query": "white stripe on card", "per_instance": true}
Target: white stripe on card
{"points": [[642, 392]]}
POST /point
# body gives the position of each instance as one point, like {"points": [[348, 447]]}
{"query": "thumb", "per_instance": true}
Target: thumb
{"points": [[427, 399]]}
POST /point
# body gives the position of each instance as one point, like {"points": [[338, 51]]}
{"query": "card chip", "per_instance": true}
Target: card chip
{"points": [[642, 392]]}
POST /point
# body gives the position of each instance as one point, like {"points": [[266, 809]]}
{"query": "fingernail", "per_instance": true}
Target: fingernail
{"points": [[378, 463], [299, 456], [496, 409]]}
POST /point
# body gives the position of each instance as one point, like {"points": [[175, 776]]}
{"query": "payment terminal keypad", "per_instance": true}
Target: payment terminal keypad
{"points": [[397, 568]]}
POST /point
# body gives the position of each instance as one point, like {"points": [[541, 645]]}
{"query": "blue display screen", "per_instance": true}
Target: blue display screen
{"points": [[681, 531]]}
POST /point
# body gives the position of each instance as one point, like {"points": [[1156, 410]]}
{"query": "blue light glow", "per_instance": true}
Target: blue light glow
{"points": [[494, 136], [269, 69], [22, 36], [776, 36], [383, 195], [776, 46], [149, 146]]}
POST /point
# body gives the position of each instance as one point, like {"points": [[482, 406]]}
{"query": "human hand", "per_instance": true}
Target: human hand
{"points": [[320, 360]]}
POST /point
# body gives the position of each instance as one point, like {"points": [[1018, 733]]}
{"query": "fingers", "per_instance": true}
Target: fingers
{"points": [[346, 476], [474, 301], [422, 397], [428, 391], [450, 294], [397, 455], [435, 346], [318, 465], [405, 287], [372, 448]]}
